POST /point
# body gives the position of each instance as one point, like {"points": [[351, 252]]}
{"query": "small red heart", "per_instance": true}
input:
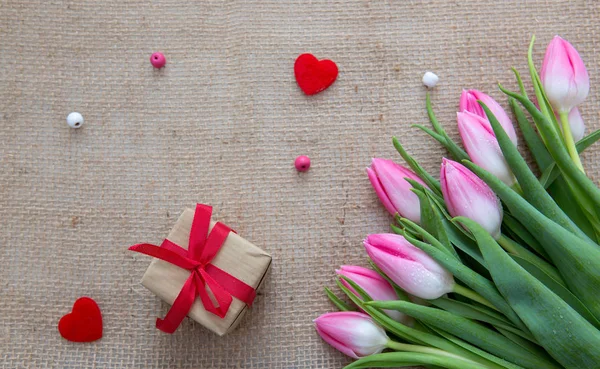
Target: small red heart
{"points": [[312, 75], [84, 323]]}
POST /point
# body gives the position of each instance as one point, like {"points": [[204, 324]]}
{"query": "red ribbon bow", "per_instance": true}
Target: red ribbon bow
{"points": [[202, 249]]}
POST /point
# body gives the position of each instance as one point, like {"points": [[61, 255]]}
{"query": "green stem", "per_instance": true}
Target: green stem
{"points": [[569, 141], [405, 347], [533, 73], [403, 359], [507, 245], [517, 188], [464, 291], [520, 81]]}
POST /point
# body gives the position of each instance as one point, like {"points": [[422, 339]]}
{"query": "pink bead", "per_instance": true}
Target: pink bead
{"points": [[302, 163], [158, 60]]}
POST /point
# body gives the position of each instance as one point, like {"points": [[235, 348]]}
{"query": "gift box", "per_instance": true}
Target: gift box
{"points": [[205, 271]]}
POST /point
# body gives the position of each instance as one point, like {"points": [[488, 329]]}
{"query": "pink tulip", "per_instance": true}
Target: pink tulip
{"points": [[374, 285], [408, 266], [564, 76], [393, 190], [467, 195], [468, 102], [480, 142], [354, 334]]}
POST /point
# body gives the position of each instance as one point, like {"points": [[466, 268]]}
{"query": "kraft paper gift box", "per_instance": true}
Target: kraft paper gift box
{"points": [[237, 256]]}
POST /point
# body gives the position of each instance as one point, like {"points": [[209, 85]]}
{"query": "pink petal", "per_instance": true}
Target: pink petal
{"points": [[467, 195], [383, 197], [392, 179], [482, 146]]}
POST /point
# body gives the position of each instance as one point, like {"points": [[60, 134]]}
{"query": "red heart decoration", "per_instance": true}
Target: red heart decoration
{"points": [[312, 75], [84, 323]]}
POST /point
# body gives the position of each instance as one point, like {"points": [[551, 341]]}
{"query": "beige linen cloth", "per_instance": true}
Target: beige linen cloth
{"points": [[222, 124]]}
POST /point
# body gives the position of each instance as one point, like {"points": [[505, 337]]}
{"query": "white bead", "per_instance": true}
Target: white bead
{"points": [[430, 79], [75, 120]]}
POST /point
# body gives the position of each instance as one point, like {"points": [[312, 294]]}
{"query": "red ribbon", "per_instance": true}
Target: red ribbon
{"points": [[203, 247]]}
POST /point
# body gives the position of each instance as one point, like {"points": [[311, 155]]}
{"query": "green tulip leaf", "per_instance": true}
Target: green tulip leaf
{"points": [[406, 227], [558, 289], [588, 141], [494, 314], [462, 241], [458, 238], [519, 81], [340, 304], [572, 217], [563, 332], [445, 141], [528, 345], [518, 250], [472, 332], [400, 330], [568, 201], [431, 221], [534, 142], [435, 197], [503, 363], [475, 281], [551, 173], [521, 232], [455, 236], [389, 324], [587, 192], [453, 148], [533, 191], [478, 313], [577, 260], [560, 192], [438, 201], [410, 334], [431, 182], [396, 229], [401, 230], [439, 138], [534, 266], [412, 359]]}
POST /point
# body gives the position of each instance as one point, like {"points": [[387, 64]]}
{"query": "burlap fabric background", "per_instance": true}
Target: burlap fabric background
{"points": [[222, 124]]}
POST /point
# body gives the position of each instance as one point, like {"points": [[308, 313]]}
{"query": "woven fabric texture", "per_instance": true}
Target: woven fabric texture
{"points": [[222, 124]]}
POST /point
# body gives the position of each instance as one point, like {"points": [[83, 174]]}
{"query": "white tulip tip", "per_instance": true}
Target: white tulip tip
{"points": [[430, 79]]}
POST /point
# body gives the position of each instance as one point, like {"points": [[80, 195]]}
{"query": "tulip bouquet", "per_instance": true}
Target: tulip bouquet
{"points": [[491, 266]]}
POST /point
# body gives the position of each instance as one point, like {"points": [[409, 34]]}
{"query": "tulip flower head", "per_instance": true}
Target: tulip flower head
{"points": [[480, 142], [564, 76], [388, 180], [469, 103], [374, 285], [354, 334], [408, 266], [467, 195]]}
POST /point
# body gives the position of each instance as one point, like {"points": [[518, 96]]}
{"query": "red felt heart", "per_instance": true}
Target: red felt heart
{"points": [[84, 323], [312, 75]]}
